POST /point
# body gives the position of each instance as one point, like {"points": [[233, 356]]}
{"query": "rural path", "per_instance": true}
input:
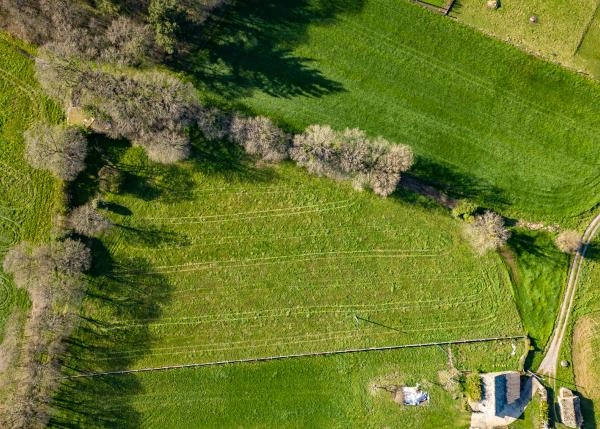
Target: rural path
{"points": [[549, 363]]}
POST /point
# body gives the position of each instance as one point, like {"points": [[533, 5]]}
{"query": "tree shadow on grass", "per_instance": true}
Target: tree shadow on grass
{"points": [[112, 335], [457, 184], [593, 251], [248, 45]]}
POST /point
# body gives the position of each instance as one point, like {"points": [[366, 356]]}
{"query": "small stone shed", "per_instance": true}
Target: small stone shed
{"points": [[570, 408]]}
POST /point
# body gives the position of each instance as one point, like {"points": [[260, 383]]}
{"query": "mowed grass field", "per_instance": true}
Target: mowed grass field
{"points": [[207, 265], [324, 392], [27, 197], [486, 121], [565, 32]]}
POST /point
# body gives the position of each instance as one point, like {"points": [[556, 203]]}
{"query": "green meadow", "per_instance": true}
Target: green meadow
{"points": [[486, 121]]}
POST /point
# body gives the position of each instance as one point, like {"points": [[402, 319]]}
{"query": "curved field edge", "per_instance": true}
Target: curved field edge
{"points": [[486, 121]]}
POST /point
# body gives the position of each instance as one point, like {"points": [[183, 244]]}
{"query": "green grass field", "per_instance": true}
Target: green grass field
{"points": [[204, 266], [562, 33], [27, 197], [485, 120], [332, 392]]}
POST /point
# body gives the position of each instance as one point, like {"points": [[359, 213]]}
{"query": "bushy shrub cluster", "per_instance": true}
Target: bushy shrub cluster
{"points": [[350, 154], [568, 241], [151, 109], [259, 137], [487, 232]]}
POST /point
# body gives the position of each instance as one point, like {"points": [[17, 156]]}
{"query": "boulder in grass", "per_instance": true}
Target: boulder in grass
{"points": [[493, 4]]}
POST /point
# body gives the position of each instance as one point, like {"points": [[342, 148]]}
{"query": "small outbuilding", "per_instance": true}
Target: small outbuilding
{"points": [[570, 408]]}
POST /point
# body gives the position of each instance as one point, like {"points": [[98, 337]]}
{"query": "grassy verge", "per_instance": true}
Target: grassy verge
{"points": [[538, 273], [482, 116]]}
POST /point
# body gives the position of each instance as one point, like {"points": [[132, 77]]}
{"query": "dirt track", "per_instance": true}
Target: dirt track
{"points": [[548, 365]]}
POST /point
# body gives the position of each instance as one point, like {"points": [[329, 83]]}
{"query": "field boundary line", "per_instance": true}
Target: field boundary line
{"points": [[586, 29], [292, 356]]}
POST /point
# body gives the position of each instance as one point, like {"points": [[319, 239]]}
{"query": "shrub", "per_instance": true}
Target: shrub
{"points": [[86, 220], [487, 232], [259, 137], [568, 241], [464, 209], [350, 154], [213, 123], [473, 387], [126, 42], [58, 149], [110, 179]]}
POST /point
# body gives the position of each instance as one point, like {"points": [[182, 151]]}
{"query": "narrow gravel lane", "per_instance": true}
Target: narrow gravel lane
{"points": [[549, 363]]}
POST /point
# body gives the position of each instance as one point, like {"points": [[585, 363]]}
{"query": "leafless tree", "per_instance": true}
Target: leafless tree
{"points": [[351, 154], [568, 241], [260, 137], [487, 232], [58, 149]]}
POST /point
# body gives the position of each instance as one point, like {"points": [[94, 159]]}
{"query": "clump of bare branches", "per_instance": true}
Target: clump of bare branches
{"points": [[350, 154], [87, 220], [487, 232], [568, 241], [56, 148], [150, 109], [259, 137], [52, 275]]}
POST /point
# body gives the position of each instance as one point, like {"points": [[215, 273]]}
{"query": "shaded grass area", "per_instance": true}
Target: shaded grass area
{"points": [[481, 116], [333, 392], [538, 273], [27, 197]]}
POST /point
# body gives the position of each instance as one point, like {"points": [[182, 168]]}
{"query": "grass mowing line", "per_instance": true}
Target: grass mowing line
{"points": [[250, 237], [318, 209], [309, 338], [463, 74], [279, 260], [338, 283], [299, 311], [586, 28], [200, 217], [298, 355]]}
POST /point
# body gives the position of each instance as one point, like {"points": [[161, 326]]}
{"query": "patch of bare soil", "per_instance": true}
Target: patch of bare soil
{"points": [[586, 363]]}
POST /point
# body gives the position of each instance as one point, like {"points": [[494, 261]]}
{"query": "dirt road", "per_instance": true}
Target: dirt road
{"points": [[548, 365]]}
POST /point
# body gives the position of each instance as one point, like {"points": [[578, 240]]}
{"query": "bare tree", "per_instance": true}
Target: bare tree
{"points": [[126, 42], [259, 137], [58, 149], [568, 241], [350, 154], [214, 123], [87, 220], [487, 232]]}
